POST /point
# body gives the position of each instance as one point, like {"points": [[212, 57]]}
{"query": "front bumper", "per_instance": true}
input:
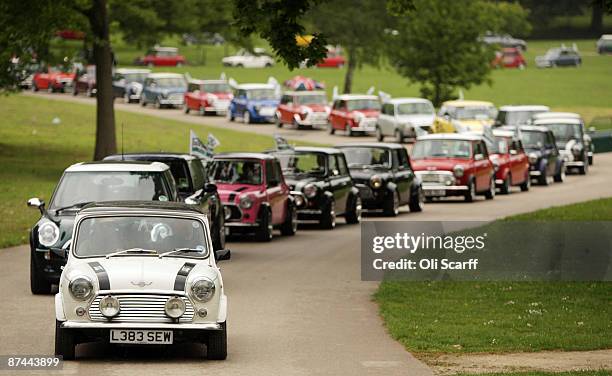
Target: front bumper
{"points": [[135, 325], [368, 125], [171, 101], [372, 199], [312, 120], [444, 190]]}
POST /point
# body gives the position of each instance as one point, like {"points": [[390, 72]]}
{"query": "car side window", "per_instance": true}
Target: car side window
{"points": [[286, 99], [390, 109], [395, 159], [483, 148], [171, 184], [333, 166], [550, 140], [342, 167], [273, 177], [404, 161]]}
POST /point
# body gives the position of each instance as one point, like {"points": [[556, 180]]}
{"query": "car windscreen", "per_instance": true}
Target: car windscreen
{"points": [[100, 236], [441, 149], [564, 132], [498, 146], [135, 77], [415, 109], [216, 88], [84, 187], [237, 171], [363, 104], [475, 112], [171, 82], [533, 139], [515, 117], [302, 163], [259, 94], [362, 157], [312, 99]]}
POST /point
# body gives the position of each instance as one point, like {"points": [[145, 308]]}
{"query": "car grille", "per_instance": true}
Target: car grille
{"points": [[235, 213], [437, 177], [140, 308], [365, 192], [318, 116], [176, 97]]}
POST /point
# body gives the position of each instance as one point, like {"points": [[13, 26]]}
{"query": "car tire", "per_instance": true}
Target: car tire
{"points": [[505, 188], [278, 122], [471, 192], [230, 115], [399, 136], [126, 98], [289, 228], [392, 205], [157, 104], [353, 214], [218, 239], [216, 343], [246, 117], [264, 232], [349, 130], [50, 89], [330, 128], [64, 342], [38, 283], [417, 201], [328, 216], [75, 91], [34, 87], [90, 93], [560, 177], [526, 184], [143, 102], [490, 193], [379, 135]]}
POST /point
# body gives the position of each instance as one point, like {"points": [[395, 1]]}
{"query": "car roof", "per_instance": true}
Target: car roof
{"points": [[533, 128], [139, 206], [304, 92], [200, 82], [166, 75], [348, 97], [566, 120], [524, 107], [556, 115], [165, 49], [407, 100], [451, 136], [386, 145], [255, 86], [311, 149], [242, 155], [116, 166], [132, 70], [466, 103], [142, 156], [503, 133]]}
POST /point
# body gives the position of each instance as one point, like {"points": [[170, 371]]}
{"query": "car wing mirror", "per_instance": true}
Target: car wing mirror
{"points": [[37, 203], [223, 254], [478, 157], [210, 188]]}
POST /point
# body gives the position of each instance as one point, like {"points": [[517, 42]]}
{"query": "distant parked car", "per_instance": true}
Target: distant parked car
{"points": [[208, 97], [517, 115], [163, 90], [354, 113], [509, 57], [464, 115], [254, 103], [255, 194], [53, 79], [27, 74], [334, 58], [570, 140], [302, 109], [85, 82], [404, 118], [322, 176], [384, 176], [454, 164], [510, 161], [559, 57], [604, 44], [545, 160], [127, 83], [162, 57], [246, 59], [504, 40]]}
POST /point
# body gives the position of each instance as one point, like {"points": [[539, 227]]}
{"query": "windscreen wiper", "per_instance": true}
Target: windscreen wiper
{"points": [[187, 250], [78, 205], [131, 250]]}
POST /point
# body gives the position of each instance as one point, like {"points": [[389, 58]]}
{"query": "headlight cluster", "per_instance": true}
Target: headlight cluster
{"points": [[109, 306], [533, 158], [299, 200], [81, 288], [48, 234], [175, 307], [203, 289], [246, 202], [376, 181], [310, 190], [458, 171]]}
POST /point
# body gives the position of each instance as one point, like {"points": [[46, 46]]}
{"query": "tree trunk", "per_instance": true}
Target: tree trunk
{"points": [[597, 17], [350, 69], [106, 142]]}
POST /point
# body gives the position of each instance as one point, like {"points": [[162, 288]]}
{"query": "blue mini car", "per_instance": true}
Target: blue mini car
{"points": [[164, 90], [545, 160], [254, 103]]}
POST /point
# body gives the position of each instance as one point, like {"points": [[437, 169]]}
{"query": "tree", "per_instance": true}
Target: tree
{"points": [[438, 44]]}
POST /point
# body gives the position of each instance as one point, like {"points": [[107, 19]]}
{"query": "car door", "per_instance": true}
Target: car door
{"points": [[336, 116], [385, 118], [240, 102], [274, 189], [480, 165], [340, 181], [552, 152], [284, 109], [402, 174]]}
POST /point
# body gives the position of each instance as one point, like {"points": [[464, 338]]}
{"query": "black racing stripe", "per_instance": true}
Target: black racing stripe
{"points": [[240, 189], [181, 277], [101, 274]]}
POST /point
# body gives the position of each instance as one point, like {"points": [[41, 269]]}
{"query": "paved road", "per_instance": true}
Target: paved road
{"points": [[296, 305]]}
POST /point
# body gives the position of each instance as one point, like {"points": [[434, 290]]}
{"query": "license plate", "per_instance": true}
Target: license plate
{"points": [[435, 192], [266, 111], [142, 337]]}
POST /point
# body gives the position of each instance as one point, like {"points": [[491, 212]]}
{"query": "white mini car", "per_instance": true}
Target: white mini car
{"points": [[405, 118], [141, 273], [243, 58]]}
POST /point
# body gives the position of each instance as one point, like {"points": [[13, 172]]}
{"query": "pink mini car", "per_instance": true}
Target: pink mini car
{"points": [[254, 194]]}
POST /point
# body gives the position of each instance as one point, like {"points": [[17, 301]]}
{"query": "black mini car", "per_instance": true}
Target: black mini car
{"points": [[322, 175], [545, 160], [384, 176], [192, 186]]}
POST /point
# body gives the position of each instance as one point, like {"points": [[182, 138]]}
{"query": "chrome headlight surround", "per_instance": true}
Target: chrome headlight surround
{"points": [[109, 306], [175, 307], [81, 288], [202, 289], [376, 181], [458, 171], [246, 202], [310, 190], [48, 234]]}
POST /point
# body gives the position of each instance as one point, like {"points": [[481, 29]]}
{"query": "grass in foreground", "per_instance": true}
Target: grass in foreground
{"points": [[34, 151], [432, 317]]}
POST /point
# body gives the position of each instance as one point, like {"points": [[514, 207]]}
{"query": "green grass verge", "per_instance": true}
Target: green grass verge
{"points": [[454, 317], [34, 151]]}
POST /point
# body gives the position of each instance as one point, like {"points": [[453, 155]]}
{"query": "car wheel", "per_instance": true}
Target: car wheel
{"points": [[417, 201], [349, 130], [186, 108], [490, 193], [50, 89], [246, 117], [230, 115], [526, 184], [75, 91], [64, 342], [89, 92], [584, 169], [543, 178], [264, 233], [34, 87], [157, 104], [353, 215], [38, 283], [289, 228], [391, 205], [379, 135], [505, 188], [202, 111], [330, 128], [560, 177], [278, 122], [471, 192], [143, 102], [216, 343], [591, 160], [126, 98], [399, 136], [328, 216]]}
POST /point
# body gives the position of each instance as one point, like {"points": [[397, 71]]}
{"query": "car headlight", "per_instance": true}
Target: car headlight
{"points": [[81, 288], [310, 190], [577, 148], [175, 307], [458, 170], [109, 306], [203, 289], [533, 158], [227, 212], [48, 234], [299, 201], [246, 202], [376, 182]]}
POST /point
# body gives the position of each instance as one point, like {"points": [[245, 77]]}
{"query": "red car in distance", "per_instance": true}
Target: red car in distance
{"points": [[510, 161], [85, 82], [334, 59], [453, 164], [302, 109], [53, 79], [509, 57], [162, 57], [354, 113], [208, 96]]}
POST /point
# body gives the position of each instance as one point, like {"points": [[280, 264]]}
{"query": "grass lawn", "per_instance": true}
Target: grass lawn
{"points": [[434, 317], [34, 151]]}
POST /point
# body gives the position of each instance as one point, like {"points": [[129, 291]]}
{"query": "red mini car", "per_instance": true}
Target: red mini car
{"points": [[510, 57], [162, 57], [53, 79], [302, 109], [451, 164], [254, 194], [85, 82], [510, 161], [208, 96], [334, 59], [354, 113]]}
